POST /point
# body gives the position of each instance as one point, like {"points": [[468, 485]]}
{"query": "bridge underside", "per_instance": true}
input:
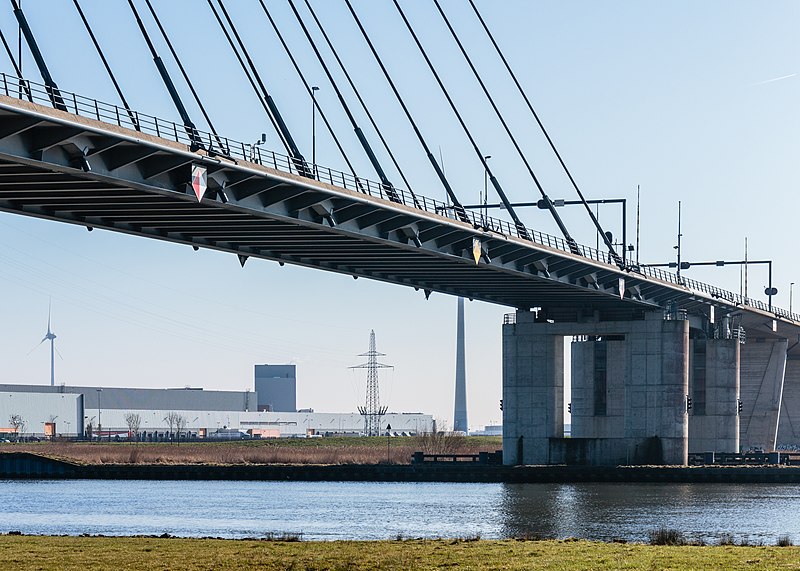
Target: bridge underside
{"points": [[68, 168]]}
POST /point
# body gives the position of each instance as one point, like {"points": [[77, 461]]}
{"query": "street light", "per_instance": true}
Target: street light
{"points": [[485, 187], [99, 425], [769, 291], [258, 143], [388, 440], [791, 286], [314, 90]]}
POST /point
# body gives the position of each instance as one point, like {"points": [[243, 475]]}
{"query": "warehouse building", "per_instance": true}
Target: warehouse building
{"points": [[91, 411]]}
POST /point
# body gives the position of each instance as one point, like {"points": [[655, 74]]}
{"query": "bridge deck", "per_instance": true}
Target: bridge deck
{"points": [[82, 169]]}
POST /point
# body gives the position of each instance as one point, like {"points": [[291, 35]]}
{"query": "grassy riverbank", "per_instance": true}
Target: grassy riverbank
{"points": [[23, 553], [277, 451]]}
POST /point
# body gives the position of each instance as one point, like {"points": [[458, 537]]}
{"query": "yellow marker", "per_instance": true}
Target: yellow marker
{"points": [[476, 250]]}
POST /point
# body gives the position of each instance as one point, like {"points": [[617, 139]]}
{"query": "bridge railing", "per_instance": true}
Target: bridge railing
{"points": [[237, 150]]}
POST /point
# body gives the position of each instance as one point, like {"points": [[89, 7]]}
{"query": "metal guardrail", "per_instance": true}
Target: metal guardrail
{"points": [[237, 150]]}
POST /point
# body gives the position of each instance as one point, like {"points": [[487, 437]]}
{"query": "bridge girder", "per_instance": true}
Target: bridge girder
{"points": [[137, 183]]}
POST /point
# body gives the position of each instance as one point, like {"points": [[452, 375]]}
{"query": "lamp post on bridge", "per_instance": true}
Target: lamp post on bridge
{"points": [[542, 205], [314, 90], [769, 291], [485, 188]]}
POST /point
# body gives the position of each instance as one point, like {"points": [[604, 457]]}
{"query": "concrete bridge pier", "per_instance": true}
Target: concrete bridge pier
{"points": [[763, 368], [533, 396], [630, 383], [714, 387], [789, 426], [657, 386]]}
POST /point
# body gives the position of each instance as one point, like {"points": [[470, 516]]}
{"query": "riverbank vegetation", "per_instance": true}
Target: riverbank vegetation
{"points": [[23, 553], [334, 450]]}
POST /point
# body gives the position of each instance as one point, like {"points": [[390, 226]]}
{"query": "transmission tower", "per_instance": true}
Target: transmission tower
{"points": [[373, 411]]}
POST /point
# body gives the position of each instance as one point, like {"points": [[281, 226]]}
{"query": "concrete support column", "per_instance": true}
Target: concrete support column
{"points": [[716, 428], [789, 426], [673, 419], [533, 392], [763, 367], [588, 419], [655, 399]]}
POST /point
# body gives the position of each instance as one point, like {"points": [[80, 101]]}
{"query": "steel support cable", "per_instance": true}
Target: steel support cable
{"points": [[223, 147], [361, 101], [97, 47], [308, 88], [22, 82], [457, 207], [387, 185], [570, 241], [244, 68], [272, 109], [50, 84], [521, 230], [596, 222], [191, 130]]}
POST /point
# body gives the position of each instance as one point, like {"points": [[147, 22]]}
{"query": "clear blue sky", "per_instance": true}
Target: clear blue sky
{"points": [[694, 101]]}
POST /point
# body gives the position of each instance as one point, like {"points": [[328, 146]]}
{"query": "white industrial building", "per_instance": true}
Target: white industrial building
{"points": [[88, 411]]}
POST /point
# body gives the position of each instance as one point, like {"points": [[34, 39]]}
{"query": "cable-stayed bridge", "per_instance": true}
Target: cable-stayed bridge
{"points": [[648, 344], [89, 166]]}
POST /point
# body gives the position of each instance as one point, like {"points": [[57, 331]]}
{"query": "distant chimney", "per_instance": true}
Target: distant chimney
{"points": [[460, 414]]}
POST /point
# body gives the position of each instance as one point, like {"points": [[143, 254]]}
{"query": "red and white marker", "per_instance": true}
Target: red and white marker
{"points": [[199, 181]]}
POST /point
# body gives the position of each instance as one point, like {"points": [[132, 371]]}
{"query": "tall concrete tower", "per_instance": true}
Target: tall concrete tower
{"points": [[460, 414]]}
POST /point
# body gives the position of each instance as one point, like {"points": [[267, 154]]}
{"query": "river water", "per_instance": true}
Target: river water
{"points": [[358, 510]]}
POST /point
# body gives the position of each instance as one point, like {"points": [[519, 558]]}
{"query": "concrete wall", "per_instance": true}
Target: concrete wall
{"points": [[789, 426], [763, 364], [717, 430], [533, 393]]}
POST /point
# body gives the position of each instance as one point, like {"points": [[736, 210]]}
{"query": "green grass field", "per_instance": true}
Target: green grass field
{"points": [[22, 553]]}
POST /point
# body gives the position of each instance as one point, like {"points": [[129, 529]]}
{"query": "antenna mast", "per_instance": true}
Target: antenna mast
{"points": [[373, 411]]}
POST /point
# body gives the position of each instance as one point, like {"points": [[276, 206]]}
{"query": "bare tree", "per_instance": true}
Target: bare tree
{"points": [[18, 424], [180, 425], [134, 422], [172, 420]]}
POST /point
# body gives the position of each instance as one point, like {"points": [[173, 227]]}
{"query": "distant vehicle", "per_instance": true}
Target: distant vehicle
{"points": [[229, 434]]}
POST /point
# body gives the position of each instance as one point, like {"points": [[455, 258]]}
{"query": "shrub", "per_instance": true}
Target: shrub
{"points": [[666, 536], [784, 541], [726, 539]]}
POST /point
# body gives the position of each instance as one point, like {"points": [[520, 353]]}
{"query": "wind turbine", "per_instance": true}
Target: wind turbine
{"points": [[50, 336]]}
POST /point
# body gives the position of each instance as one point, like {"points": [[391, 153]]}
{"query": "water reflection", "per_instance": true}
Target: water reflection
{"points": [[358, 510], [757, 513]]}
